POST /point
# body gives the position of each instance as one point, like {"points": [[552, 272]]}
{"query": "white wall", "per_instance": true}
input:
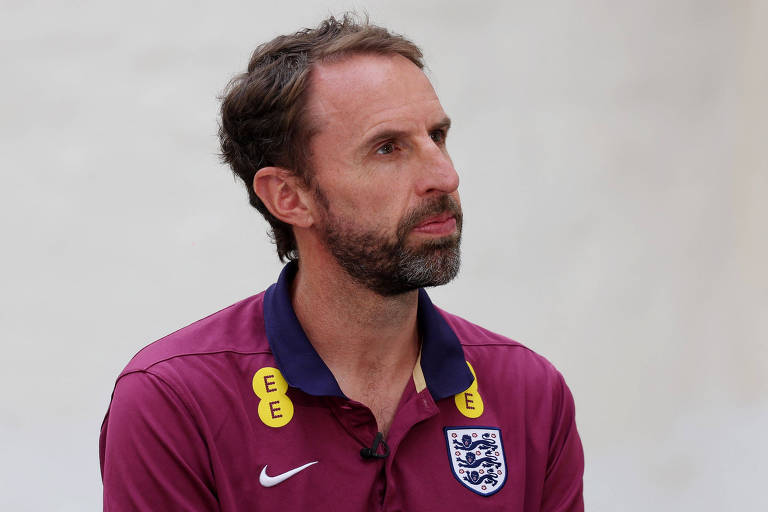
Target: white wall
{"points": [[614, 179]]}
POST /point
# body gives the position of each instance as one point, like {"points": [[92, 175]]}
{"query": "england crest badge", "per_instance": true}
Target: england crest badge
{"points": [[477, 458]]}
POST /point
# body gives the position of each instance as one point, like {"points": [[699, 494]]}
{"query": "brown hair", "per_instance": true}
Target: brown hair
{"points": [[262, 110]]}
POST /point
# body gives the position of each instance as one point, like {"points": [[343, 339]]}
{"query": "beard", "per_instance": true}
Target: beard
{"points": [[389, 266]]}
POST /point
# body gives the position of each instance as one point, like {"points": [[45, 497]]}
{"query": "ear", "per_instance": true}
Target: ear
{"points": [[282, 194]]}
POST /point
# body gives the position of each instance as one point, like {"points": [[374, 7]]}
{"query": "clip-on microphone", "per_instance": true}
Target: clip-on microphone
{"points": [[372, 452]]}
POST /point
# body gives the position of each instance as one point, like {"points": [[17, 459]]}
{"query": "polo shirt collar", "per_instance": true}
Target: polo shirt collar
{"points": [[442, 358]]}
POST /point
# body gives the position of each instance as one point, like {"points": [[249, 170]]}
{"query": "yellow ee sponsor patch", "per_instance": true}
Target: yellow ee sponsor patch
{"points": [[275, 408], [469, 402]]}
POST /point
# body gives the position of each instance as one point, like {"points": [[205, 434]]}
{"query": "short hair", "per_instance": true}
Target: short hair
{"points": [[263, 121]]}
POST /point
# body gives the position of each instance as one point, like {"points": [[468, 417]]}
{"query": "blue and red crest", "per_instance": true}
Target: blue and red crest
{"points": [[477, 458]]}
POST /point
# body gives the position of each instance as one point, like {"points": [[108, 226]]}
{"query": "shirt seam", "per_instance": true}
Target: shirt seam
{"points": [[170, 388], [495, 344], [176, 356]]}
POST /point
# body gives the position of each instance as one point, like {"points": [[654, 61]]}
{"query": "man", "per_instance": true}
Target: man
{"points": [[342, 387]]}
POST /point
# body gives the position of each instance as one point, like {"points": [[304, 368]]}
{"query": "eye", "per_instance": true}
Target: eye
{"points": [[438, 137], [386, 149]]}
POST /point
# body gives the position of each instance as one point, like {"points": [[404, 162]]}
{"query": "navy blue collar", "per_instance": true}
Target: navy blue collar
{"points": [[442, 358]]}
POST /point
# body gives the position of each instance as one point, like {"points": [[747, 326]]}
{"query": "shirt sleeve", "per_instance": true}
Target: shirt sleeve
{"points": [[563, 485], [151, 451]]}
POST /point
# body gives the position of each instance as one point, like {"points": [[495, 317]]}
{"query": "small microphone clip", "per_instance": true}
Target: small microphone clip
{"points": [[373, 451]]}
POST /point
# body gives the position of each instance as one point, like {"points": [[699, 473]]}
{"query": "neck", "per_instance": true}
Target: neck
{"points": [[369, 342], [353, 328]]}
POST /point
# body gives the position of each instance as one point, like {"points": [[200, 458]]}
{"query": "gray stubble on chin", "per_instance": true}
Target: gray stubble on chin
{"points": [[430, 269], [387, 266]]}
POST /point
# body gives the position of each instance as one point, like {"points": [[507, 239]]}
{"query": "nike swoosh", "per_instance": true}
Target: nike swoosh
{"points": [[269, 481]]}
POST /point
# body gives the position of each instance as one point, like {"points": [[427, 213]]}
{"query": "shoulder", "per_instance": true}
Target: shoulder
{"points": [[238, 328], [197, 367], [493, 354]]}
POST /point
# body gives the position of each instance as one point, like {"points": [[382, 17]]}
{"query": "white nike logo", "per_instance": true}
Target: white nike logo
{"points": [[269, 481]]}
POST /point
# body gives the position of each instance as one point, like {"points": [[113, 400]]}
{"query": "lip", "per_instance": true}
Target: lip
{"points": [[443, 224]]}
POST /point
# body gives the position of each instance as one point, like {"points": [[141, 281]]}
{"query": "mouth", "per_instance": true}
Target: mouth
{"points": [[441, 225]]}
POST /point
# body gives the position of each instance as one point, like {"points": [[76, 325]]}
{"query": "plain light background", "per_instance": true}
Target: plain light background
{"points": [[614, 180]]}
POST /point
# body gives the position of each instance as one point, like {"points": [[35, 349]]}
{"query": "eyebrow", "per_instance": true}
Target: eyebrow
{"points": [[443, 124]]}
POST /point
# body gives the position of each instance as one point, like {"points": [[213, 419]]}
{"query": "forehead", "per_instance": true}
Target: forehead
{"points": [[360, 92]]}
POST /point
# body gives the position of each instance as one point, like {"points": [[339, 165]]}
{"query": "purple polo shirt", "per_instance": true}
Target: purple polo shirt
{"points": [[237, 412]]}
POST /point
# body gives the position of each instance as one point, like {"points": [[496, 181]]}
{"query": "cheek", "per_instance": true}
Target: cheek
{"points": [[363, 200], [375, 200]]}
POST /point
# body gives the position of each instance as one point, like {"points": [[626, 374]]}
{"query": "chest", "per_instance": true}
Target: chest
{"points": [[438, 458]]}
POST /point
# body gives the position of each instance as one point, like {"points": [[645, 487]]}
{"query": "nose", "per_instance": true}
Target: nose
{"points": [[437, 171]]}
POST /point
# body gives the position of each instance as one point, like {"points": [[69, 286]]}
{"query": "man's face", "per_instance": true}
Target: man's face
{"points": [[386, 190]]}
